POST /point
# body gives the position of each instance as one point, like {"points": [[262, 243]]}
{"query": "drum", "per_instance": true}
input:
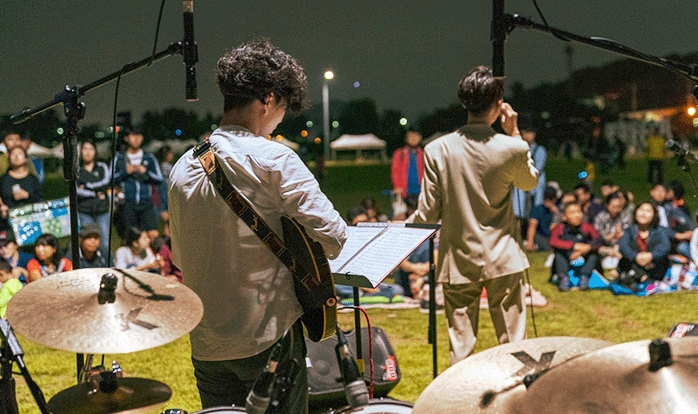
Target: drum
{"points": [[221, 410], [379, 406]]}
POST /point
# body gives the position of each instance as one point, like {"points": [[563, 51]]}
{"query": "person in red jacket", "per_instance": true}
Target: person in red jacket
{"points": [[575, 243], [408, 167]]}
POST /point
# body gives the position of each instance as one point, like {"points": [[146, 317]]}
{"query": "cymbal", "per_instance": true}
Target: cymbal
{"points": [[132, 396], [62, 311], [481, 382], [617, 379]]}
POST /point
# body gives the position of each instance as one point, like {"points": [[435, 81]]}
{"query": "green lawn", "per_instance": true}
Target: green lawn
{"points": [[593, 314]]}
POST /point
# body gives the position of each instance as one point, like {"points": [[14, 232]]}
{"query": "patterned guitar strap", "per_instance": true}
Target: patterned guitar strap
{"points": [[244, 210]]}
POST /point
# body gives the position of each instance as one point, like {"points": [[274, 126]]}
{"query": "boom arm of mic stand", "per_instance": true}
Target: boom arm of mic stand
{"points": [[689, 71], [63, 97]]}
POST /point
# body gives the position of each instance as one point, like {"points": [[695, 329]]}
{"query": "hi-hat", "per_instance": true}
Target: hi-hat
{"points": [[620, 379], [131, 396], [483, 382], [63, 311]]}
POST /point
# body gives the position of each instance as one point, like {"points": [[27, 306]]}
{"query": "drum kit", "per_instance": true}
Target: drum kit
{"points": [[111, 311]]}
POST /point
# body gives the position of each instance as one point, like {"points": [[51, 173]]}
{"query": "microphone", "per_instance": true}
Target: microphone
{"points": [[258, 399], [354, 385], [498, 36], [189, 51]]}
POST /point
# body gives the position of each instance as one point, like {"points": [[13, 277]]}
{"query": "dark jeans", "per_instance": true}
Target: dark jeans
{"points": [[654, 171], [562, 263], [657, 272], [226, 383], [141, 215]]}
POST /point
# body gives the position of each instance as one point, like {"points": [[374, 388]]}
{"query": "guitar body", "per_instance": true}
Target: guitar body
{"points": [[319, 304]]}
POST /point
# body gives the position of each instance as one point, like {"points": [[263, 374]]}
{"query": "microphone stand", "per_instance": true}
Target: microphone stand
{"points": [[75, 111]]}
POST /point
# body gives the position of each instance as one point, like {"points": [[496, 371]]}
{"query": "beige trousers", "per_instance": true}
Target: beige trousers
{"points": [[505, 295]]}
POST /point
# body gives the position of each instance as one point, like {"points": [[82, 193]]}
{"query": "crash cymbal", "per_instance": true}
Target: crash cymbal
{"points": [[131, 396], [481, 382], [62, 311], [619, 379]]}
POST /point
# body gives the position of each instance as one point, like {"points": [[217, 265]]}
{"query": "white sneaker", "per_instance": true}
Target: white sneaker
{"points": [[549, 260]]}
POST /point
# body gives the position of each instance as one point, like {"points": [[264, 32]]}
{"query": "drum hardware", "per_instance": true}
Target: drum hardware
{"points": [[11, 351], [378, 406]]}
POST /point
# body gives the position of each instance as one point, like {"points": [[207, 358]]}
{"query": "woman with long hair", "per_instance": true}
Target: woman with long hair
{"points": [[17, 185], [93, 184], [48, 258], [136, 253]]}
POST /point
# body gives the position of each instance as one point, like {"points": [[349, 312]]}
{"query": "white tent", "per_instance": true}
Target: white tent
{"points": [[358, 143], [178, 146], [35, 150]]}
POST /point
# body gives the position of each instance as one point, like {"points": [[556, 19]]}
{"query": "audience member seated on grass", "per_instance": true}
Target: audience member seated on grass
{"points": [[162, 247], [607, 188], [48, 258], [540, 223], [575, 243], [611, 223], [678, 216], [17, 186], [590, 204], [567, 197], [9, 250], [645, 248], [374, 213], [136, 254], [658, 194], [90, 252], [10, 285]]}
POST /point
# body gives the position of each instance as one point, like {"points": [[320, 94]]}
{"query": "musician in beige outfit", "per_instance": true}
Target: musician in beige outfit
{"points": [[468, 180]]}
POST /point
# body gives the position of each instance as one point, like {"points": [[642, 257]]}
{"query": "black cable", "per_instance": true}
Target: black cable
{"points": [[563, 38], [157, 32], [530, 294]]}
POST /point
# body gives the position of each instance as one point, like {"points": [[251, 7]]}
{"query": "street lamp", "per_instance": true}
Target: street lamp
{"points": [[326, 111]]}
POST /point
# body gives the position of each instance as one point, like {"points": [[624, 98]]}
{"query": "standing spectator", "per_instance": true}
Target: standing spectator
{"points": [[540, 223], [407, 167], [166, 157], [524, 201], [9, 250], [621, 148], [10, 285], [645, 248], [13, 139], [90, 252], [468, 177], [48, 258], [575, 243], [26, 143], [93, 183], [136, 253], [137, 170], [17, 186], [655, 148]]}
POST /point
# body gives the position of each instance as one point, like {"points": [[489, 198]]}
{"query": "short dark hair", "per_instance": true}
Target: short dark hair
{"points": [[254, 70], [677, 188], [132, 235], [479, 90], [550, 193], [5, 265], [583, 185]]}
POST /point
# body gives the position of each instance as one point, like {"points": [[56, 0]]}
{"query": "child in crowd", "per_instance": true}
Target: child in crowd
{"points": [[575, 243], [10, 285], [645, 248], [540, 223], [658, 194], [48, 258], [136, 253], [9, 250], [611, 223], [679, 219]]}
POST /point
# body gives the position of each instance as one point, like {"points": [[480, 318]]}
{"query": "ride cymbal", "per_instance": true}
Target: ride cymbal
{"points": [[482, 382], [131, 396], [633, 377], [139, 310]]}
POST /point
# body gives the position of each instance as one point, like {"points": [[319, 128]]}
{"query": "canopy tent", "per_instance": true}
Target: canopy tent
{"points": [[178, 146], [358, 143], [35, 150]]}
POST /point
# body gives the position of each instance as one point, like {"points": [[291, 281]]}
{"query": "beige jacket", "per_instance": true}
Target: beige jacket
{"points": [[468, 179]]}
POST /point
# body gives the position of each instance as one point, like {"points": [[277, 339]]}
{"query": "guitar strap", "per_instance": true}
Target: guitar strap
{"points": [[244, 210]]}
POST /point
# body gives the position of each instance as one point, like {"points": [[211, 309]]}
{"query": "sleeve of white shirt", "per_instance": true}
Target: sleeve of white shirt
{"points": [[120, 259], [304, 201]]}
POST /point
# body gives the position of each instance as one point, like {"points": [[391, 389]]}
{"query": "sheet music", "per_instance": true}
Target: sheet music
{"points": [[380, 256]]}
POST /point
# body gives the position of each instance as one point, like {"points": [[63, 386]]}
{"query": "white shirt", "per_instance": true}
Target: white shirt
{"points": [[125, 259], [248, 295]]}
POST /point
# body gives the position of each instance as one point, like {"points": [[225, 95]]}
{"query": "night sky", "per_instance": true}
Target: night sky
{"points": [[407, 55]]}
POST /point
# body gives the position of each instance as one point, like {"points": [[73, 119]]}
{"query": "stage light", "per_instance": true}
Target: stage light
{"points": [[329, 75]]}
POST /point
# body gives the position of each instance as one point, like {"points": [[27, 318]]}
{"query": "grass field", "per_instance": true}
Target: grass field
{"points": [[592, 314]]}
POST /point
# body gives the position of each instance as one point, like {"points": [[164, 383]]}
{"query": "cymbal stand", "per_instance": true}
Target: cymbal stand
{"points": [[10, 351]]}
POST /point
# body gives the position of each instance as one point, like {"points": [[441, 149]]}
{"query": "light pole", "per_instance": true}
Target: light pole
{"points": [[326, 111]]}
